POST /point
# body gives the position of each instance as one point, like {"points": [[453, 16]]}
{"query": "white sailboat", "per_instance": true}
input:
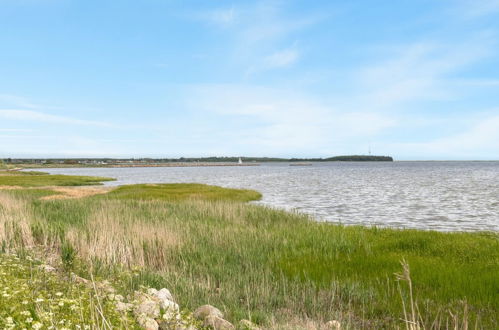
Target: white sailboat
{"points": [[240, 161]]}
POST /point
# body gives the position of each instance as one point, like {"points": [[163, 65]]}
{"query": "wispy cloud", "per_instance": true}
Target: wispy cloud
{"points": [[29, 115], [223, 17], [279, 59], [480, 140], [421, 71], [286, 120], [478, 8], [259, 33]]}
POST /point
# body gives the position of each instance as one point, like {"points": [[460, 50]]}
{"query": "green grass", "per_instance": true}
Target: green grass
{"points": [[183, 191], [32, 298], [270, 266], [11, 173], [40, 179]]}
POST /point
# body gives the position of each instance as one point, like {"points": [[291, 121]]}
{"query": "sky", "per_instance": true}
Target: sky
{"points": [[413, 79]]}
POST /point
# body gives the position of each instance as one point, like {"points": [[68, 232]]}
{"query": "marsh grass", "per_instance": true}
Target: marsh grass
{"points": [[276, 268], [183, 191], [40, 179]]}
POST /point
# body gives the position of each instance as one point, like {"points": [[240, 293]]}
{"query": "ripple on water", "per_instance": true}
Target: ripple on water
{"points": [[443, 196]]}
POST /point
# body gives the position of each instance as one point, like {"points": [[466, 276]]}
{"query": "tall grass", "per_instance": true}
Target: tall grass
{"points": [[273, 267]]}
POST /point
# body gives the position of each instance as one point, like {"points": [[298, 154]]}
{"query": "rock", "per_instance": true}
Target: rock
{"points": [[217, 323], [147, 323], [248, 325], [163, 294], [207, 310], [48, 268], [147, 307], [123, 307], [171, 309], [333, 324]]}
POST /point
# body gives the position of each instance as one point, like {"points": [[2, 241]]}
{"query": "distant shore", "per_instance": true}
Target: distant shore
{"points": [[176, 162]]}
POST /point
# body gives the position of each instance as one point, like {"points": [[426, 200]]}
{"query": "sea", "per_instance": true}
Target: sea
{"points": [[429, 195]]}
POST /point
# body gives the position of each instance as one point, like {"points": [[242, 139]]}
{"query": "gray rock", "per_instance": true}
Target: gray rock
{"points": [[147, 307], [217, 323], [123, 307], [164, 294], [147, 323], [207, 310]]}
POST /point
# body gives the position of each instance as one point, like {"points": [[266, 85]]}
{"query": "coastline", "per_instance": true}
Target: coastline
{"points": [[272, 267]]}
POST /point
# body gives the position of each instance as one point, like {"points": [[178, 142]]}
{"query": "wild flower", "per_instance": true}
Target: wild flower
{"points": [[37, 325]]}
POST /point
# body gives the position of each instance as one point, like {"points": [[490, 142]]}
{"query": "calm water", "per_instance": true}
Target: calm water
{"points": [[445, 196]]}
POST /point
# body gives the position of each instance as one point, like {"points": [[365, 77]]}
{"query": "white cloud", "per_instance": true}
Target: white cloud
{"points": [[479, 141], [281, 58], [29, 115], [223, 17], [419, 72], [258, 32], [287, 121]]}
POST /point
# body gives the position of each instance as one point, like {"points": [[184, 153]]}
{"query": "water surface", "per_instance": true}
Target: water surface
{"points": [[447, 196]]}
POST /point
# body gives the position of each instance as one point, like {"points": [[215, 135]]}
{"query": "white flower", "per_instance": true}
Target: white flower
{"points": [[37, 325], [29, 320], [61, 303], [9, 320], [58, 294]]}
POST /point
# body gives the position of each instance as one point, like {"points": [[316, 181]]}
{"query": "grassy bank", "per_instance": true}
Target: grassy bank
{"points": [[276, 268], [41, 179]]}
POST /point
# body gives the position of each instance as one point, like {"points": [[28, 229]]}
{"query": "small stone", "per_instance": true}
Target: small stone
{"points": [[248, 325], [123, 307], [217, 323], [207, 310], [147, 323], [333, 324]]}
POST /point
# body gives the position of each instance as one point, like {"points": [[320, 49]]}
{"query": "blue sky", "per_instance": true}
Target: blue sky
{"points": [[411, 79]]}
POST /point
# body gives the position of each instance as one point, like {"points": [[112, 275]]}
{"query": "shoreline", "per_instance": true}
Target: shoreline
{"points": [[276, 268]]}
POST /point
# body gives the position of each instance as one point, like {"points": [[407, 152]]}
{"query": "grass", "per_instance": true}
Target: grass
{"points": [[276, 268], [32, 298], [40, 179], [183, 191]]}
